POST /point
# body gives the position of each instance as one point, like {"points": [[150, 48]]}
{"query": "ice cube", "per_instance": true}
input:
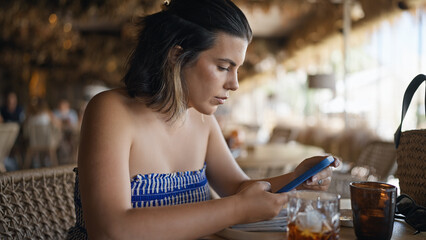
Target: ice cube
{"points": [[325, 226], [310, 220], [314, 220], [301, 221]]}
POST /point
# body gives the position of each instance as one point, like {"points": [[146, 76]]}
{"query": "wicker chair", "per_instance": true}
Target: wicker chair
{"points": [[37, 203], [378, 157], [42, 139], [283, 134], [8, 134]]}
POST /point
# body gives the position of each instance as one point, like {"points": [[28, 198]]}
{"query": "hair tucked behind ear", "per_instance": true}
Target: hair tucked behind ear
{"points": [[153, 75]]}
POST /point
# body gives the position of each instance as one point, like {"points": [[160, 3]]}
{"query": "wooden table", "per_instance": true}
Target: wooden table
{"points": [[401, 231], [276, 158]]}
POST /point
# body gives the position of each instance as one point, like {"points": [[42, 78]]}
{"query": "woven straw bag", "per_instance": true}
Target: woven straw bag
{"points": [[411, 151]]}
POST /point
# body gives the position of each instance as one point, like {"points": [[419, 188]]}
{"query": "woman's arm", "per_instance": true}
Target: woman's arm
{"points": [[254, 197], [225, 175]]}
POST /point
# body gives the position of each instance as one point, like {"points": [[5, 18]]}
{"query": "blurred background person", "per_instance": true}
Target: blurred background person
{"points": [[40, 113], [66, 114], [11, 111], [69, 126], [43, 132]]}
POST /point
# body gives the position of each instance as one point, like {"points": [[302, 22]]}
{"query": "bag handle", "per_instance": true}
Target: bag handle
{"points": [[408, 95]]}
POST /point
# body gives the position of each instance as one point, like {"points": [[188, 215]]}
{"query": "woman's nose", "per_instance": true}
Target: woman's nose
{"points": [[232, 82]]}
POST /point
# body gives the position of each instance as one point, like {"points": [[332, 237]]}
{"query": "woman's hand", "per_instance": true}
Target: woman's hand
{"points": [[255, 202], [320, 181]]}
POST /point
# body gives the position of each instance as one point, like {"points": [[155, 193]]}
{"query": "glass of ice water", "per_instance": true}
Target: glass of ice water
{"points": [[313, 215]]}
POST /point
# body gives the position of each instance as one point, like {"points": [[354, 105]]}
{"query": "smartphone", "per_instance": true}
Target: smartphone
{"points": [[311, 172]]}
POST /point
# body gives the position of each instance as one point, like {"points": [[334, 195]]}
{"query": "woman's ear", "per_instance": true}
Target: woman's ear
{"points": [[174, 53]]}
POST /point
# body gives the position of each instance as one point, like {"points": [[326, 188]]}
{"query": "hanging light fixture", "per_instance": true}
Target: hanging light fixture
{"points": [[318, 81]]}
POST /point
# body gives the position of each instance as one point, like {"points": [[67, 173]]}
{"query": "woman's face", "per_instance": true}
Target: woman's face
{"points": [[210, 78]]}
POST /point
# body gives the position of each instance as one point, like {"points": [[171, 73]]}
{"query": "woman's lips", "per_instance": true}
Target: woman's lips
{"points": [[221, 100]]}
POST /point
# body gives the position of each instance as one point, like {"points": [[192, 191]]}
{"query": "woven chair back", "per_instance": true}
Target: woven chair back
{"points": [[37, 203], [379, 156], [283, 135]]}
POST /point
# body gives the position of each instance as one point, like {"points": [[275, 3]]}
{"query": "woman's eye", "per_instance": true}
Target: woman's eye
{"points": [[223, 68]]}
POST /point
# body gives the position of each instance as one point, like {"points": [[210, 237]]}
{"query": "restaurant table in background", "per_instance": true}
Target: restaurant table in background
{"points": [[401, 231], [266, 160]]}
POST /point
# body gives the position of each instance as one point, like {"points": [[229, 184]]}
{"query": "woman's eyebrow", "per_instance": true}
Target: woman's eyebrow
{"points": [[228, 61]]}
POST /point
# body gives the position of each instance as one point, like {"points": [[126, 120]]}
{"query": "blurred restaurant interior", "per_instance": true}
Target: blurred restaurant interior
{"points": [[320, 76]]}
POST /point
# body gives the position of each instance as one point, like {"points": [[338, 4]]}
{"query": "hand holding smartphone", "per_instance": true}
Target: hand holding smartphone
{"points": [[305, 176]]}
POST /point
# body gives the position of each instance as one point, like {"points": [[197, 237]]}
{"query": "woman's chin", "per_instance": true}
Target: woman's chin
{"points": [[207, 111]]}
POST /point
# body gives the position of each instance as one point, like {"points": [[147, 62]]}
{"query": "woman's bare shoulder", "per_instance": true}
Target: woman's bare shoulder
{"points": [[111, 105], [117, 107], [116, 97]]}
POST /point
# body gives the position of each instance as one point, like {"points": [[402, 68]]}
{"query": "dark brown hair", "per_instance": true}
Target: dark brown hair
{"points": [[192, 25]]}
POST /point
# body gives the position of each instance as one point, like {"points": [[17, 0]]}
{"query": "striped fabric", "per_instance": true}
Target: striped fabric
{"points": [[151, 190]]}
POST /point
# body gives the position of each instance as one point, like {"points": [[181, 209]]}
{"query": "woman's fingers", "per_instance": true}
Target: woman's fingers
{"points": [[327, 172], [336, 162], [258, 192], [265, 185], [319, 184]]}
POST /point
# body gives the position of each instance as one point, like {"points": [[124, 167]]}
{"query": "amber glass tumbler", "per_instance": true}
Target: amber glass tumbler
{"points": [[373, 209]]}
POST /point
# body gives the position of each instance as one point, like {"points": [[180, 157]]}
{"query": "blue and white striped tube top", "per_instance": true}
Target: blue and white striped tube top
{"points": [[152, 190]]}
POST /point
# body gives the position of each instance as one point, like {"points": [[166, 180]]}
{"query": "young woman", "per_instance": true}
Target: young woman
{"points": [[149, 152]]}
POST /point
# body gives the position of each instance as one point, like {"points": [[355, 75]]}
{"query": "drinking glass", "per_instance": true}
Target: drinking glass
{"points": [[373, 209], [313, 215]]}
